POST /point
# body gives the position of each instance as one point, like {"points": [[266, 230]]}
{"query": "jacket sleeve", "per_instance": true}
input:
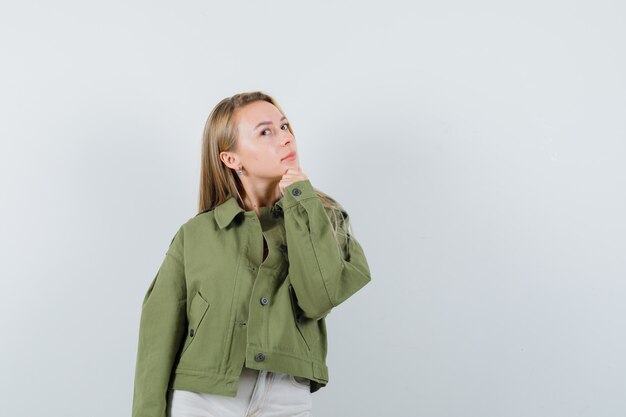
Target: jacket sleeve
{"points": [[323, 271], [161, 331]]}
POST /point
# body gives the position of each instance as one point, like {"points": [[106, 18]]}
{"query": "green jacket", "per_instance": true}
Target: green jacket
{"points": [[215, 305]]}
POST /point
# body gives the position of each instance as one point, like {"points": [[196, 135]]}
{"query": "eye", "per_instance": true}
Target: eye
{"points": [[265, 130]]}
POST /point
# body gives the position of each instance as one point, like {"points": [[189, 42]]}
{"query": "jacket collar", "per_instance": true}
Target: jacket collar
{"points": [[226, 212]]}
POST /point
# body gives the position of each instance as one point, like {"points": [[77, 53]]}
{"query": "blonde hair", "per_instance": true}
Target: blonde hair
{"points": [[217, 180]]}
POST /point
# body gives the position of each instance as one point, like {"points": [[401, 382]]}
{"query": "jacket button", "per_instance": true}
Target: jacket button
{"points": [[296, 191], [259, 357], [190, 332], [282, 248], [264, 300]]}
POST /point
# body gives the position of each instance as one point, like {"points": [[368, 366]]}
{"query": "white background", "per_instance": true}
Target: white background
{"points": [[478, 146]]}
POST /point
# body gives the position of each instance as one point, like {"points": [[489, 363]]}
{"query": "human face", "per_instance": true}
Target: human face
{"points": [[264, 140]]}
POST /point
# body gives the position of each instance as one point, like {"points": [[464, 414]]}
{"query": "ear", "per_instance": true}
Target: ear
{"points": [[229, 159]]}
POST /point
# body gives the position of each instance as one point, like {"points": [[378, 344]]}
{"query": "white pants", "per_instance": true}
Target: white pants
{"points": [[260, 394]]}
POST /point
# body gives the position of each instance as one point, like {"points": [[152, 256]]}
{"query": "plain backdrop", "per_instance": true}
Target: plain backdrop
{"points": [[479, 147]]}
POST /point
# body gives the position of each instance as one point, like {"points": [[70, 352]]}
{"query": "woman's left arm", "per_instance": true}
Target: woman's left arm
{"points": [[162, 328], [323, 271]]}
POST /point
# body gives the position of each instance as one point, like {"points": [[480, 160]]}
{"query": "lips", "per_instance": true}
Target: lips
{"points": [[290, 155]]}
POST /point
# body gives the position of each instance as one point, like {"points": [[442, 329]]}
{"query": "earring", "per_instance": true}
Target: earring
{"points": [[240, 171]]}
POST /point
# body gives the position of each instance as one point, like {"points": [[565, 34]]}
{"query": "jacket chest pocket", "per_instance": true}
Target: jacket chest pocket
{"points": [[197, 311], [305, 325]]}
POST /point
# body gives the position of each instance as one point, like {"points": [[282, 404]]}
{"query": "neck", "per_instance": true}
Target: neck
{"points": [[260, 194]]}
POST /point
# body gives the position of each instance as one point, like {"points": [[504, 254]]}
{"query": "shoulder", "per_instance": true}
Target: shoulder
{"points": [[199, 222], [203, 212]]}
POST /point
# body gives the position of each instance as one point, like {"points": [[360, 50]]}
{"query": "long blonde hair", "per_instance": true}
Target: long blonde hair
{"points": [[217, 180]]}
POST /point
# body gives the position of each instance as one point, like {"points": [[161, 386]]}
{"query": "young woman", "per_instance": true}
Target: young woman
{"points": [[233, 323]]}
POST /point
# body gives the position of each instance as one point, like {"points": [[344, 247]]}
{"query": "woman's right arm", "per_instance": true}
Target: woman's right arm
{"points": [[162, 329]]}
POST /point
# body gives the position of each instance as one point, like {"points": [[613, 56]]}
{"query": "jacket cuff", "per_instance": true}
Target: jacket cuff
{"points": [[298, 191]]}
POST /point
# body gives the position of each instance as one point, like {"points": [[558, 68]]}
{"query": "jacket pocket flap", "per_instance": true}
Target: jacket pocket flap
{"points": [[199, 306], [197, 310]]}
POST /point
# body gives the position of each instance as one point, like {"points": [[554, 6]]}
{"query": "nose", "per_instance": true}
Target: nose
{"points": [[287, 138]]}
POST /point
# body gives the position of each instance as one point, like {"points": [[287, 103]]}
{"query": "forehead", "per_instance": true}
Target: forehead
{"points": [[256, 112]]}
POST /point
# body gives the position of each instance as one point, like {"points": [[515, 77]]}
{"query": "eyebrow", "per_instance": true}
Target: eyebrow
{"points": [[268, 123]]}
